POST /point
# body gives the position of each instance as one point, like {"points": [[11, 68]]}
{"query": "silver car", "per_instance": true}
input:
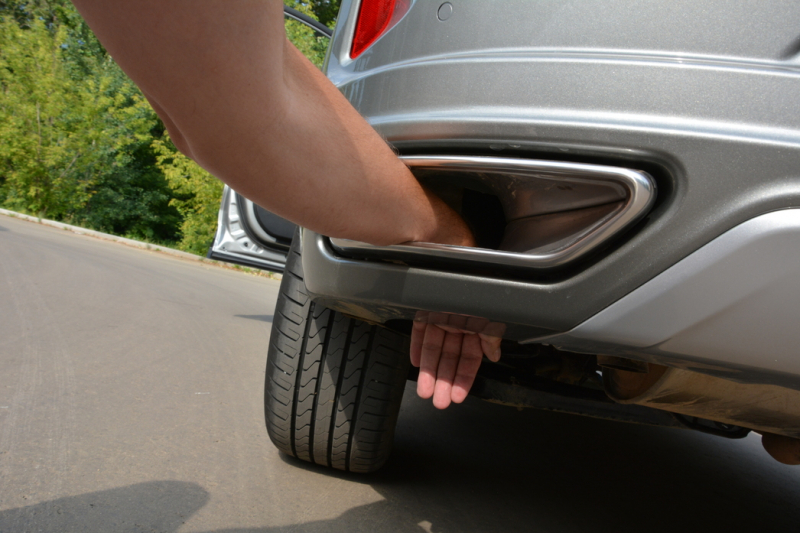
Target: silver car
{"points": [[631, 171]]}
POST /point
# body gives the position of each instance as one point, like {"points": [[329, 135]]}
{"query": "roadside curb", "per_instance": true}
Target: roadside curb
{"points": [[128, 242]]}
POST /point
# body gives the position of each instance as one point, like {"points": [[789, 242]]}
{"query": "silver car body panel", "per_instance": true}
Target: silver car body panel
{"points": [[703, 95], [232, 242], [735, 301]]}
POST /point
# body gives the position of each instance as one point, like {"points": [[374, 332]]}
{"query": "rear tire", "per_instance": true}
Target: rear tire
{"points": [[334, 384]]}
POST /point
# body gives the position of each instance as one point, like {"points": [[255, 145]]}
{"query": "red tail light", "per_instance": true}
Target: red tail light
{"points": [[375, 17]]}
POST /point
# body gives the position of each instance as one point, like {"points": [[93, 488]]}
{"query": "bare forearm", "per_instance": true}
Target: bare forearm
{"points": [[241, 101], [333, 169]]}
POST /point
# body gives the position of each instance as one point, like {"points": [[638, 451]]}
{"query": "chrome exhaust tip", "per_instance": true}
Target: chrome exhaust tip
{"points": [[555, 212]]}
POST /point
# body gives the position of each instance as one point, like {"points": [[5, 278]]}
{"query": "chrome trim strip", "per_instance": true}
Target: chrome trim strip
{"points": [[639, 187], [345, 31]]}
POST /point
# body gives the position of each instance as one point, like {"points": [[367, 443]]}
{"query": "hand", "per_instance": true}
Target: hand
{"points": [[448, 349]]}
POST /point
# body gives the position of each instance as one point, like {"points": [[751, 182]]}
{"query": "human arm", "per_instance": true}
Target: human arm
{"points": [[242, 102]]}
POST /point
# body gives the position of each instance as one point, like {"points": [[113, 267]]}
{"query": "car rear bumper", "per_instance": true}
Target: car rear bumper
{"points": [[711, 116], [727, 310]]}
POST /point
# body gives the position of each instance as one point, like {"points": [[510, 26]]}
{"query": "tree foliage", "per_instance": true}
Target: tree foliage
{"points": [[75, 133], [134, 198], [79, 142], [53, 150], [310, 43], [197, 197]]}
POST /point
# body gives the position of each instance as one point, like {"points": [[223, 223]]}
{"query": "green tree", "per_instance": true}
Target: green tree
{"points": [[197, 199], [57, 137], [78, 141], [310, 43], [82, 50], [133, 199], [127, 193], [324, 11]]}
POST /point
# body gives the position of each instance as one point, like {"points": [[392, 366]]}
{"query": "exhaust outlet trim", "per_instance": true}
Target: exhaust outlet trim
{"points": [[534, 194]]}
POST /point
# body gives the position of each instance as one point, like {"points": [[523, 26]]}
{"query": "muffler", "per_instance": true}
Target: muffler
{"points": [[768, 409]]}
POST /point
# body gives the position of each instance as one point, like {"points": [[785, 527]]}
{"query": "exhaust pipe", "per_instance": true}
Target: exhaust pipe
{"points": [[768, 409]]}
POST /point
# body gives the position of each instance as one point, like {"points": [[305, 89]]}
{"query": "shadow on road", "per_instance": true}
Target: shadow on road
{"points": [[155, 506], [487, 468]]}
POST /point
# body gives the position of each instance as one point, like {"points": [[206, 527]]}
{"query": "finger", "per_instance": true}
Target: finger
{"points": [[449, 329], [476, 325], [446, 373], [429, 360], [455, 324], [422, 316], [491, 346], [494, 329], [468, 365], [417, 337], [439, 319]]}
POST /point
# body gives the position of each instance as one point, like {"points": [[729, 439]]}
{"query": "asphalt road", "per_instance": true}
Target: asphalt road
{"points": [[131, 400]]}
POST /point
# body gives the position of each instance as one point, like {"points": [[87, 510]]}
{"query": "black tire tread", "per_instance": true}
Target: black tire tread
{"points": [[334, 384]]}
